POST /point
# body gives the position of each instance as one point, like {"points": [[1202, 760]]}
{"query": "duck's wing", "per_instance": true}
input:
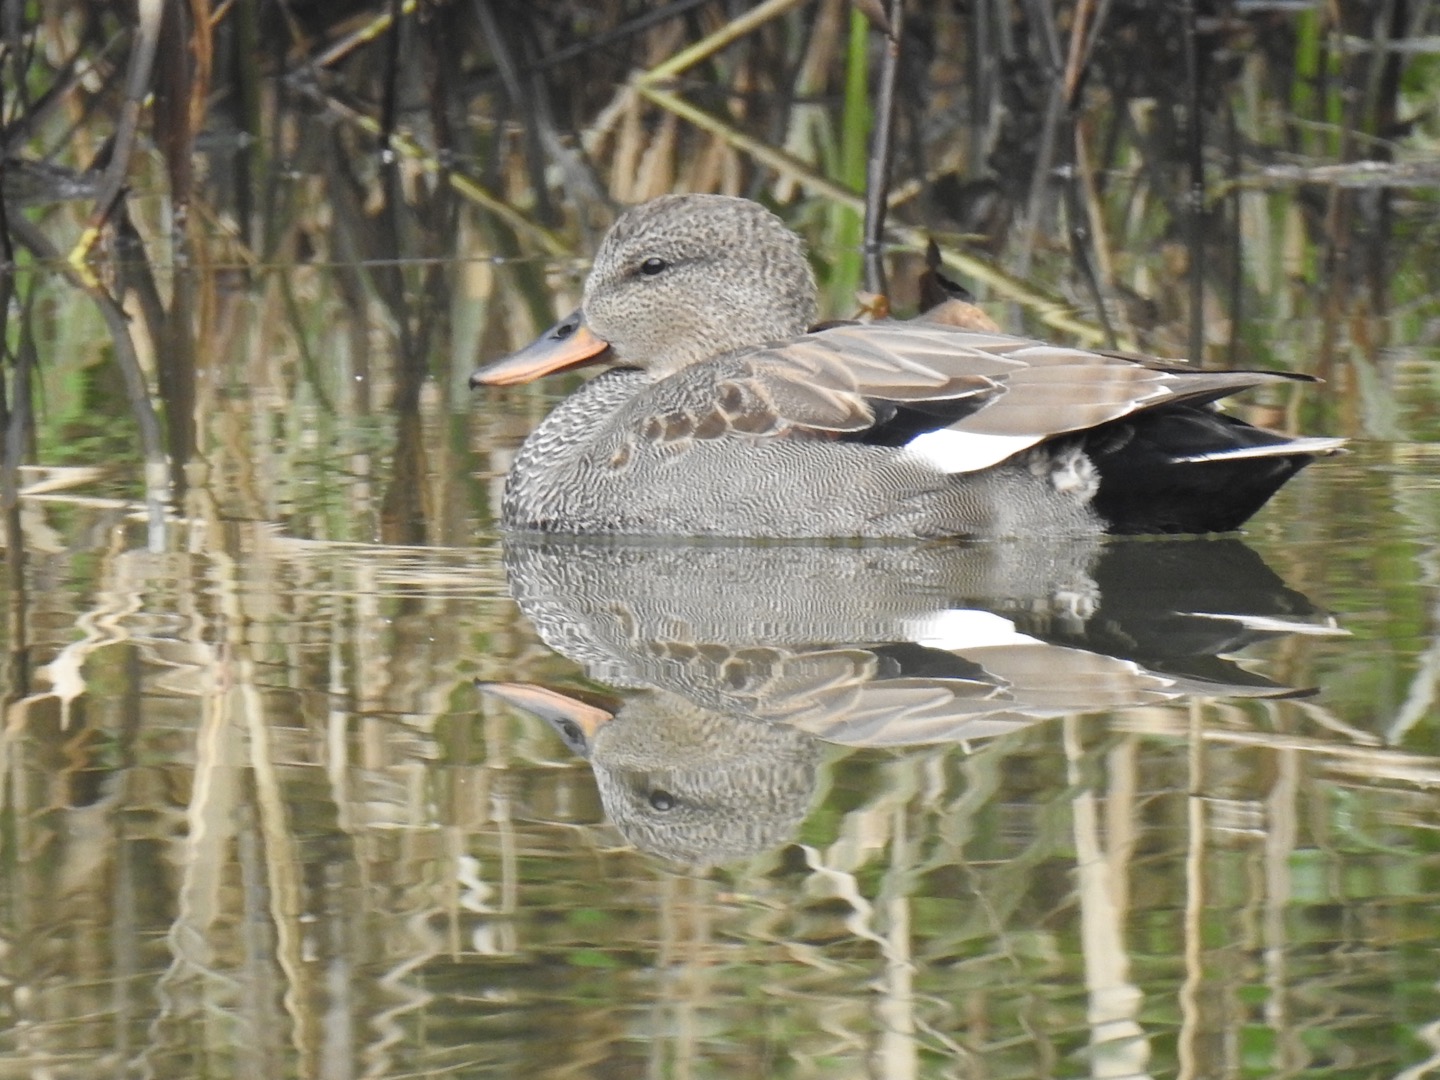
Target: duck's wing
{"points": [[984, 396]]}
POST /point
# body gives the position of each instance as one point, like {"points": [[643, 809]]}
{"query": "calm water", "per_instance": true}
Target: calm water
{"points": [[805, 819]]}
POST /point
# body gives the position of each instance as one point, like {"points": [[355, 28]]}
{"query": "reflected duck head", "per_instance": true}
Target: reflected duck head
{"points": [[701, 787], [680, 781]]}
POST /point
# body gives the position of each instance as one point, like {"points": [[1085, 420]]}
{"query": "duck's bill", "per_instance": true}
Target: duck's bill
{"points": [[567, 344], [574, 719]]}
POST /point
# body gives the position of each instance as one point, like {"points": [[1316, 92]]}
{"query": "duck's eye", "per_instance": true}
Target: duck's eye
{"points": [[652, 266], [662, 800]]}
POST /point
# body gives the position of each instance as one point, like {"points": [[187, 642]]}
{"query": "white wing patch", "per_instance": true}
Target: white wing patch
{"points": [[965, 628], [953, 451]]}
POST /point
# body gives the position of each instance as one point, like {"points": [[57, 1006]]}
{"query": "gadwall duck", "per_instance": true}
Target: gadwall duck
{"points": [[724, 416]]}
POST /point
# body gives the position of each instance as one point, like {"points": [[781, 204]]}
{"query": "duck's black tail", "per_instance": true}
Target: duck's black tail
{"points": [[1191, 469]]}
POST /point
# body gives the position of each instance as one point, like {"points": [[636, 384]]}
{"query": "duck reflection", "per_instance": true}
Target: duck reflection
{"points": [[738, 662]]}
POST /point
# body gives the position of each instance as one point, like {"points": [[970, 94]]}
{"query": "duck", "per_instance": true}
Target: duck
{"points": [[723, 411]]}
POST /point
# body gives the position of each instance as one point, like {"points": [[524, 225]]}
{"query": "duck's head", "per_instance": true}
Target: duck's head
{"points": [[677, 280]]}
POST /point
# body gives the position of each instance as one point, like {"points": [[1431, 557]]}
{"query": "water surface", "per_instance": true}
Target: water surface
{"points": [[259, 820]]}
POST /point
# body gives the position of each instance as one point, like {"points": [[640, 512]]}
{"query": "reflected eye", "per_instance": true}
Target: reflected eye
{"points": [[652, 266], [662, 800]]}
